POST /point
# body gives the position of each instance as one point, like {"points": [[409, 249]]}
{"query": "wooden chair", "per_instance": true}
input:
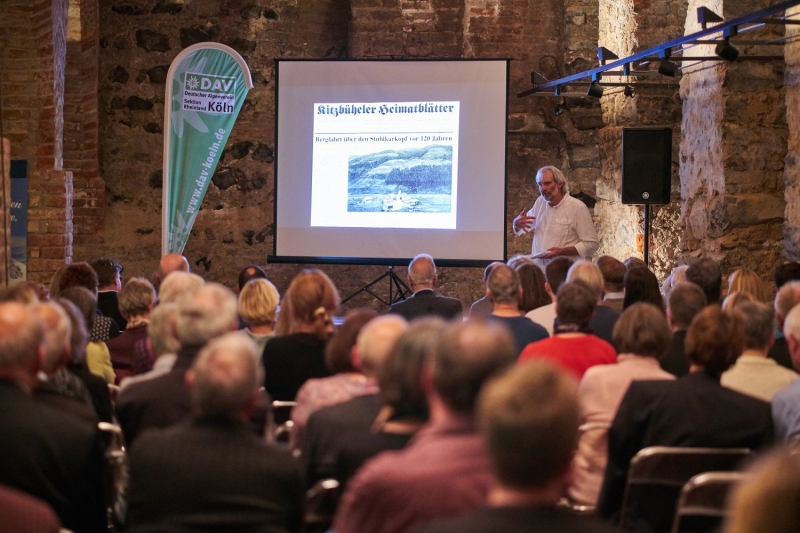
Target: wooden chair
{"points": [[656, 476], [705, 496]]}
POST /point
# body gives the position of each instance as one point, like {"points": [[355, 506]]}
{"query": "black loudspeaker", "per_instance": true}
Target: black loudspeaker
{"points": [[646, 165]]}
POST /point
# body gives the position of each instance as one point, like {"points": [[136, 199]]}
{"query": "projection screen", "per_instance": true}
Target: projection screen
{"points": [[379, 160]]}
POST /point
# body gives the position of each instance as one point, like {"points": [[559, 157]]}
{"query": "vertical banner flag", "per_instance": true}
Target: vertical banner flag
{"points": [[206, 87], [19, 219]]}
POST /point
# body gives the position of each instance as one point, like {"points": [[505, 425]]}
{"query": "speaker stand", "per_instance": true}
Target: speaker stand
{"points": [[394, 283], [647, 235]]}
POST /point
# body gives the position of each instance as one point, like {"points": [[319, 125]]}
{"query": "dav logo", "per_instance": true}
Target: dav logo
{"points": [[208, 93]]}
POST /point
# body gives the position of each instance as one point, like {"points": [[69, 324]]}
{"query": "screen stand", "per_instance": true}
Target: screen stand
{"points": [[395, 283]]}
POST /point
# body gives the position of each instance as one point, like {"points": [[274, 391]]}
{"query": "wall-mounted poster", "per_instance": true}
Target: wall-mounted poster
{"points": [[19, 219]]}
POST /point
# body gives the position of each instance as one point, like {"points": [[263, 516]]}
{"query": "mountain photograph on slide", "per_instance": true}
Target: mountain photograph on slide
{"points": [[416, 180]]}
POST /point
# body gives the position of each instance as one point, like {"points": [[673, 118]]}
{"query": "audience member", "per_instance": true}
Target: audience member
{"points": [[786, 273], [573, 346], [534, 294], [24, 292], [788, 297], [347, 380], [82, 275], [130, 354], [735, 299], [23, 513], [326, 428], [634, 262], [98, 358], [482, 306], [163, 401], [556, 274], [529, 420], [290, 360], [706, 273], [641, 285], [678, 275], [685, 300], [162, 342], [786, 402], [422, 279], [109, 281], [603, 318], [519, 260], [504, 291], [248, 274], [258, 306], [613, 272], [211, 471], [444, 471], [53, 457], [167, 265], [745, 280], [754, 373], [642, 335], [694, 411], [179, 285]]}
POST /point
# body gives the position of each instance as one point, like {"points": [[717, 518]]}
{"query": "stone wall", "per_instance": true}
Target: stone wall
{"points": [[791, 176]]}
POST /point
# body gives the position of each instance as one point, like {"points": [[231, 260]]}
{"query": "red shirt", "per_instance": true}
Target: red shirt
{"points": [[574, 354]]}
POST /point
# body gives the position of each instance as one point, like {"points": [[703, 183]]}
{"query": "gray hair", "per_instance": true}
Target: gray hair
{"points": [[377, 338], [58, 331], [21, 335], [208, 313], [558, 177], [422, 270], [787, 297], [178, 285], [159, 333]]}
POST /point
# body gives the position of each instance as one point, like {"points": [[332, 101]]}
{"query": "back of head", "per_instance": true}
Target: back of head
{"points": [[519, 260], [84, 301], [400, 375], [376, 339], [311, 299], [208, 313], [641, 285], [136, 298], [735, 299], [57, 333], [80, 336], [21, 336], [24, 292], [226, 376], [706, 273], [786, 273], [791, 326], [686, 299], [575, 304], [613, 272], [339, 349], [422, 270], [758, 323], [468, 354], [106, 269], [488, 270], [642, 329], [678, 275], [556, 272], [529, 419], [634, 262], [159, 333], [766, 502], [179, 285], [534, 293], [787, 297], [78, 275], [172, 263], [503, 285], [714, 340], [258, 302], [250, 273], [746, 280], [590, 274]]}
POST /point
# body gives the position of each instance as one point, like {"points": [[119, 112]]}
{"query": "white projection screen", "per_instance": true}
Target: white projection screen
{"points": [[380, 160]]}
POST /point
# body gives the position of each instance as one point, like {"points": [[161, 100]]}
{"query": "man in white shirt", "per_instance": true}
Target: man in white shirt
{"points": [[562, 225]]}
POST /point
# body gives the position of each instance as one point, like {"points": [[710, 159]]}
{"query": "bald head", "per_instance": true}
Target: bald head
{"points": [[58, 331], [21, 339], [422, 272], [376, 340], [172, 263]]}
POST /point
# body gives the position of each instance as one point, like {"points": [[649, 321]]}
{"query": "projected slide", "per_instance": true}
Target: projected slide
{"points": [[385, 165]]}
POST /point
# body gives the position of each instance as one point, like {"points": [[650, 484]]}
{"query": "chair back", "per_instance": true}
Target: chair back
{"points": [[281, 423], [706, 496], [320, 505], [595, 436], [117, 461]]}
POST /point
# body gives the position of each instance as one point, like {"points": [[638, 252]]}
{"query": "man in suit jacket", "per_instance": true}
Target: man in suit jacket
{"points": [[685, 300], [48, 454], [422, 279], [211, 471]]}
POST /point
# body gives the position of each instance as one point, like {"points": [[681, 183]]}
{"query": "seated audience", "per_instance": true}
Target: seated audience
{"points": [[248, 274], [179, 285], [212, 472], [694, 411], [258, 305], [162, 342], [735, 299], [98, 358], [787, 297], [167, 265], [786, 402], [347, 380], [289, 360], [444, 471], [109, 282], [528, 418], [23, 513], [634, 262], [678, 275], [786, 273], [707, 275], [53, 457], [130, 353], [532, 282], [82, 275], [504, 291], [573, 347], [613, 271], [327, 427], [641, 285], [754, 373], [556, 274], [24, 292], [603, 318], [422, 279], [747, 281], [642, 335], [482, 306], [685, 300]]}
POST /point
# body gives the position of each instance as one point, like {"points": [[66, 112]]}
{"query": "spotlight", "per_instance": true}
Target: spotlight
{"points": [[726, 50], [595, 90], [558, 109], [668, 68], [629, 91]]}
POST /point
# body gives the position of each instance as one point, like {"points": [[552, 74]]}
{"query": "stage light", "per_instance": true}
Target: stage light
{"points": [[726, 50], [558, 109], [629, 91], [595, 90]]}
